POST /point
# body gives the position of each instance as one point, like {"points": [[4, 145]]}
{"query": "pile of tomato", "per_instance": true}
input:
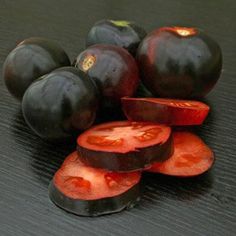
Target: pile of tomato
{"points": [[122, 98]]}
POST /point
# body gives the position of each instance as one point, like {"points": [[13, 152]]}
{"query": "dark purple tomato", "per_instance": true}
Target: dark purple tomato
{"points": [[60, 103], [31, 59], [114, 70], [179, 62], [121, 33]]}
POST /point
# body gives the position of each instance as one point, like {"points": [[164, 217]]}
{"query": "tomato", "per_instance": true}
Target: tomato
{"points": [[124, 145], [61, 103], [179, 62], [113, 69], [191, 157], [166, 111], [84, 190], [120, 33], [31, 59]]}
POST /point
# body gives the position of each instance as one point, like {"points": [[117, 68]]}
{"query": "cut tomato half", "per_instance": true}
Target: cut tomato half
{"points": [[191, 157], [88, 191], [165, 111], [125, 145]]}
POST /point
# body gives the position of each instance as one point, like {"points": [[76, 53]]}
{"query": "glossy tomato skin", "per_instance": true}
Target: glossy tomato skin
{"points": [[113, 69], [31, 59], [60, 103], [120, 33], [177, 66]]}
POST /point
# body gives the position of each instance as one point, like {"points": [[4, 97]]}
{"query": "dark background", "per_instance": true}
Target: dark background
{"points": [[205, 205]]}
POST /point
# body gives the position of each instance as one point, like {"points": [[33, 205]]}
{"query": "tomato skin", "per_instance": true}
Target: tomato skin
{"points": [[178, 66], [162, 111], [113, 69], [95, 207], [120, 33], [123, 162], [31, 59], [111, 156]]}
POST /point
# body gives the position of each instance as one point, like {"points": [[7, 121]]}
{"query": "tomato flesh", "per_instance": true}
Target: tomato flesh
{"points": [[191, 157], [77, 181], [123, 136], [166, 111]]}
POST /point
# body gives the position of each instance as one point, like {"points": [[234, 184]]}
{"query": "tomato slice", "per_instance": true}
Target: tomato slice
{"points": [[165, 111], [78, 181], [191, 157], [87, 191], [124, 145]]}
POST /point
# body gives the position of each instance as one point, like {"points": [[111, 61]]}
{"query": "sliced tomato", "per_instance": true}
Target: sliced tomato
{"points": [[78, 181], [85, 190], [125, 145], [165, 111], [191, 157]]}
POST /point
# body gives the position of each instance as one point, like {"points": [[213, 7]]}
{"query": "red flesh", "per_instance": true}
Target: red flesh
{"points": [[123, 136], [165, 111], [191, 157], [77, 181]]}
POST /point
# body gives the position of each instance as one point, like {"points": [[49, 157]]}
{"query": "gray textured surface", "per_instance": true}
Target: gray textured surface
{"points": [[202, 206]]}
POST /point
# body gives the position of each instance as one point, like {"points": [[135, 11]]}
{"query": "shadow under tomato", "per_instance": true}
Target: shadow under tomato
{"points": [[208, 125], [182, 189], [109, 114]]}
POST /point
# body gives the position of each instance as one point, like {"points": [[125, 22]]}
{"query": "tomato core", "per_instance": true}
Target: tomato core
{"points": [[184, 31], [88, 62]]}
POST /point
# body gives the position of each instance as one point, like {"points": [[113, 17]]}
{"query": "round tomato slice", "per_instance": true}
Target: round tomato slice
{"points": [[165, 111], [88, 191], [191, 157], [125, 145]]}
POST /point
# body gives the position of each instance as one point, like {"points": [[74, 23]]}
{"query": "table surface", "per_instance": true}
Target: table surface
{"points": [[205, 205]]}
